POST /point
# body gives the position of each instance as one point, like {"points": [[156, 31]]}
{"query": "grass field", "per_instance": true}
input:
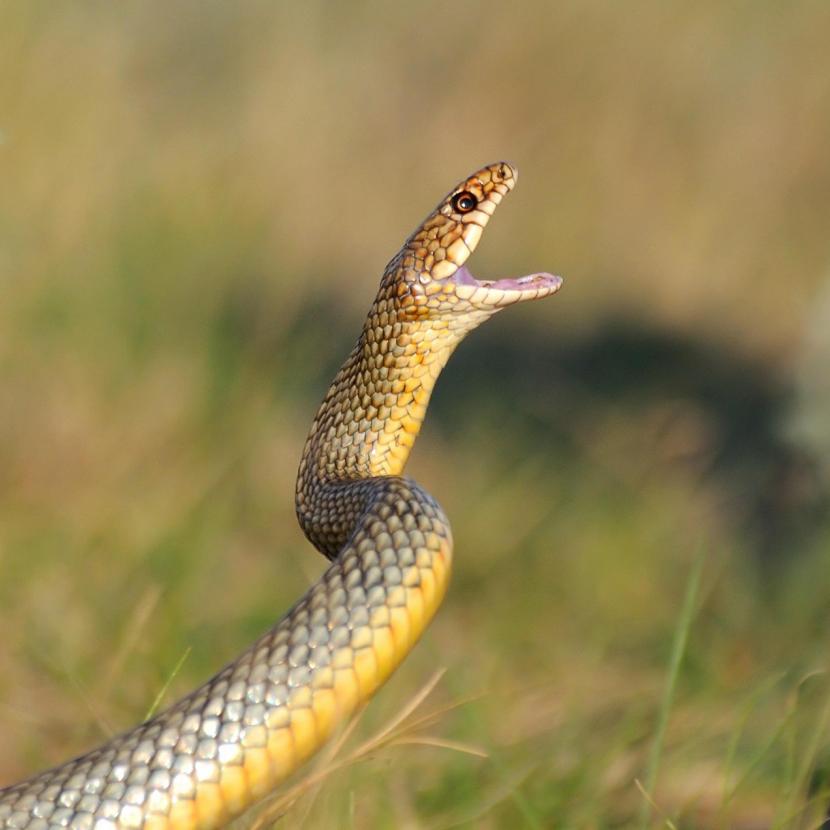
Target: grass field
{"points": [[196, 202]]}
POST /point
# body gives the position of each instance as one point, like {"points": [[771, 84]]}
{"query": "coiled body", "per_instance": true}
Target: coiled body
{"points": [[217, 751]]}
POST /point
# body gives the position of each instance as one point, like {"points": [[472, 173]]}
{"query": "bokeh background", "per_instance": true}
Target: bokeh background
{"points": [[196, 202]]}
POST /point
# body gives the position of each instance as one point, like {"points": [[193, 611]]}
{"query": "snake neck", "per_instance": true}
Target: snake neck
{"points": [[368, 422]]}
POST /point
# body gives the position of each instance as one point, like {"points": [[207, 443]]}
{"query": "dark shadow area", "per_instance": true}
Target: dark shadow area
{"points": [[773, 489]]}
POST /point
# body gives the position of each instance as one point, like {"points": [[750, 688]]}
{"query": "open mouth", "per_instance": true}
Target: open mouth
{"points": [[504, 291]]}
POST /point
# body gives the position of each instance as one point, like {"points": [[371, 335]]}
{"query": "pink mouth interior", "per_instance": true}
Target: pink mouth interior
{"points": [[463, 277]]}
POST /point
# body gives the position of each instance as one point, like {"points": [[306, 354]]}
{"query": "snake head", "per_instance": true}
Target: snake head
{"points": [[430, 272]]}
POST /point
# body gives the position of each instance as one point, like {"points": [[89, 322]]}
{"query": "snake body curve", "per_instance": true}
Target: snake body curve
{"points": [[218, 750]]}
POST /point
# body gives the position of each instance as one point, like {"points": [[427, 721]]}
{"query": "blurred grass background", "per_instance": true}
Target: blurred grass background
{"points": [[197, 200]]}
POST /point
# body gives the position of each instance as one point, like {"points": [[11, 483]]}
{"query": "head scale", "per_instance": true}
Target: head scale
{"points": [[429, 272]]}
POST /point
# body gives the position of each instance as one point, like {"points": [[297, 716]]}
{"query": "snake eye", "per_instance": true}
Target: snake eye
{"points": [[464, 202]]}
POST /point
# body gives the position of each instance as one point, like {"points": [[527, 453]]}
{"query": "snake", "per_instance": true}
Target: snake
{"points": [[223, 747]]}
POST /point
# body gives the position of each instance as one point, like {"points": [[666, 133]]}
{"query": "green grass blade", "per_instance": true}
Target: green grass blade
{"points": [[163, 690], [681, 636]]}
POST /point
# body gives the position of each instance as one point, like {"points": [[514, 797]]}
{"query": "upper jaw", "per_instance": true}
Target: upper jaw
{"points": [[503, 292]]}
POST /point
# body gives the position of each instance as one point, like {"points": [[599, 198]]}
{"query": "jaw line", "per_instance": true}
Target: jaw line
{"points": [[513, 288]]}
